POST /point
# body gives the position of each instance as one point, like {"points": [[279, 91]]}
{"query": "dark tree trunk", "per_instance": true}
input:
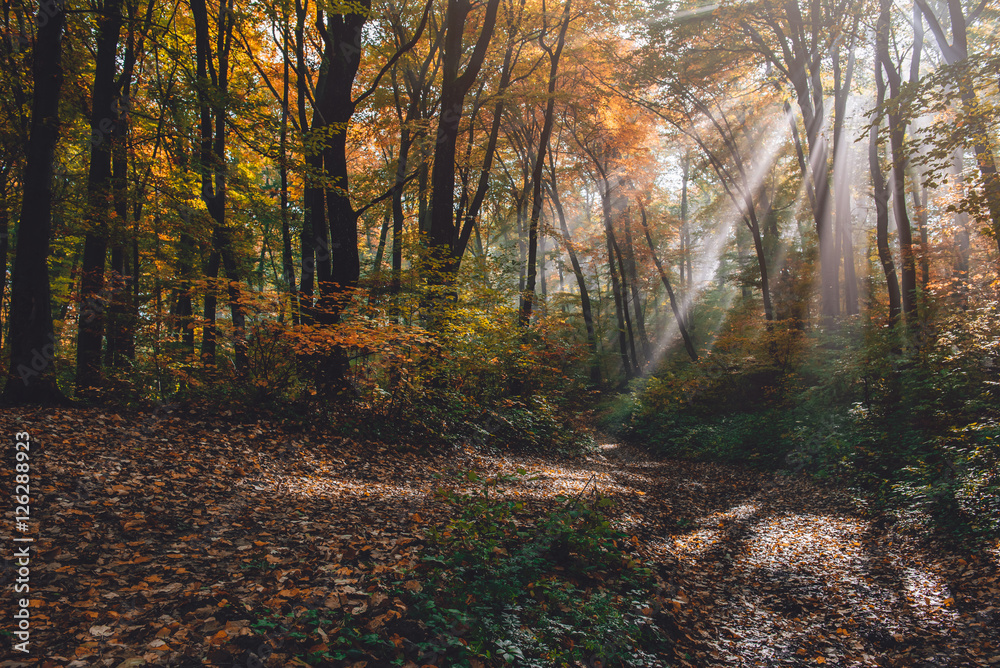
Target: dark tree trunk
{"points": [[445, 234], [31, 373], [585, 306], [897, 131], [287, 260], [633, 280], [313, 194], [94, 299], [678, 314], [123, 311], [528, 295], [881, 196], [213, 87]]}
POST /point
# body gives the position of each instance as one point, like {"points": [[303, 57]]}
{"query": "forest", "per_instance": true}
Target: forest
{"points": [[500, 332]]}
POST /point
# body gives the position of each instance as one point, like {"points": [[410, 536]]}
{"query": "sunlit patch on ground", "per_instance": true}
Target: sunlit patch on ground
{"points": [[805, 542], [326, 487], [926, 589], [697, 542]]}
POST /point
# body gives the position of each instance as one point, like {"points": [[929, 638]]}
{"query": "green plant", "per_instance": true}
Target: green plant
{"points": [[529, 592]]}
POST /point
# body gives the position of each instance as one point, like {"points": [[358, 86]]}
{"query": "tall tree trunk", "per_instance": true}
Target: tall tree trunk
{"points": [[287, 260], [444, 233], [626, 311], [841, 177], [881, 196], [528, 295], [960, 270], [623, 346], [31, 374], [94, 299], [340, 269], [957, 53], [313, 193], [585, 306], [637, 301], [213, 87], [685, 234], [897, 131], [678, 315], [123, 312]]}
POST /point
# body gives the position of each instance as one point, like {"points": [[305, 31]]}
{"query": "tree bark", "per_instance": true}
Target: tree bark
{"points": [[637, 301], [444, 234], [94, 299], [31, 377], [897, 132], [881, 197], [678, 315], [213, 87], [957, 54], [528, 295], [841, 178]]}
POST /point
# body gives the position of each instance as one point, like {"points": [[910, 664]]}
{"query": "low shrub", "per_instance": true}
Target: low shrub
{"points": [[522, 591]]}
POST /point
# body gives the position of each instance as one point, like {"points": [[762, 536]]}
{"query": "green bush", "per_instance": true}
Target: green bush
{"points": [[515, 590]]}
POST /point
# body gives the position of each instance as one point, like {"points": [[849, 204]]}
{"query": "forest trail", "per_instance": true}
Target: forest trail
{"points": [[778, 571], [161, 537]]}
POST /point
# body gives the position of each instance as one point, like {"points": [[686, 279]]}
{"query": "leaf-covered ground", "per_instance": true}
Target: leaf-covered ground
{"points": [[163, 538]]}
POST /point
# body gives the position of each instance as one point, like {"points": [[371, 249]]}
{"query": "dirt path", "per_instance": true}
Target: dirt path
{"points": [[161, 538], [771, 571]]}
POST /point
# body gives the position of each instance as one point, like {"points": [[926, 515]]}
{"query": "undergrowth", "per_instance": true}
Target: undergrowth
{"points": [[499, 587], [514, 590], [914, 429]]}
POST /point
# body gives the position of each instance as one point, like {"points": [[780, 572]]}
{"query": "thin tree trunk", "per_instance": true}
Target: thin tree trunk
{"points": [[678, 315], [897, 132], [585, 306], [685, 259], [633, 280], [123, 313], [528, 295], [881, 196], [626, 312], [287, 260]]}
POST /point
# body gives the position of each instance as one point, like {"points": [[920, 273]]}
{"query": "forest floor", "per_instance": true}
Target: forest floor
{"points": [[160, 537]]}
